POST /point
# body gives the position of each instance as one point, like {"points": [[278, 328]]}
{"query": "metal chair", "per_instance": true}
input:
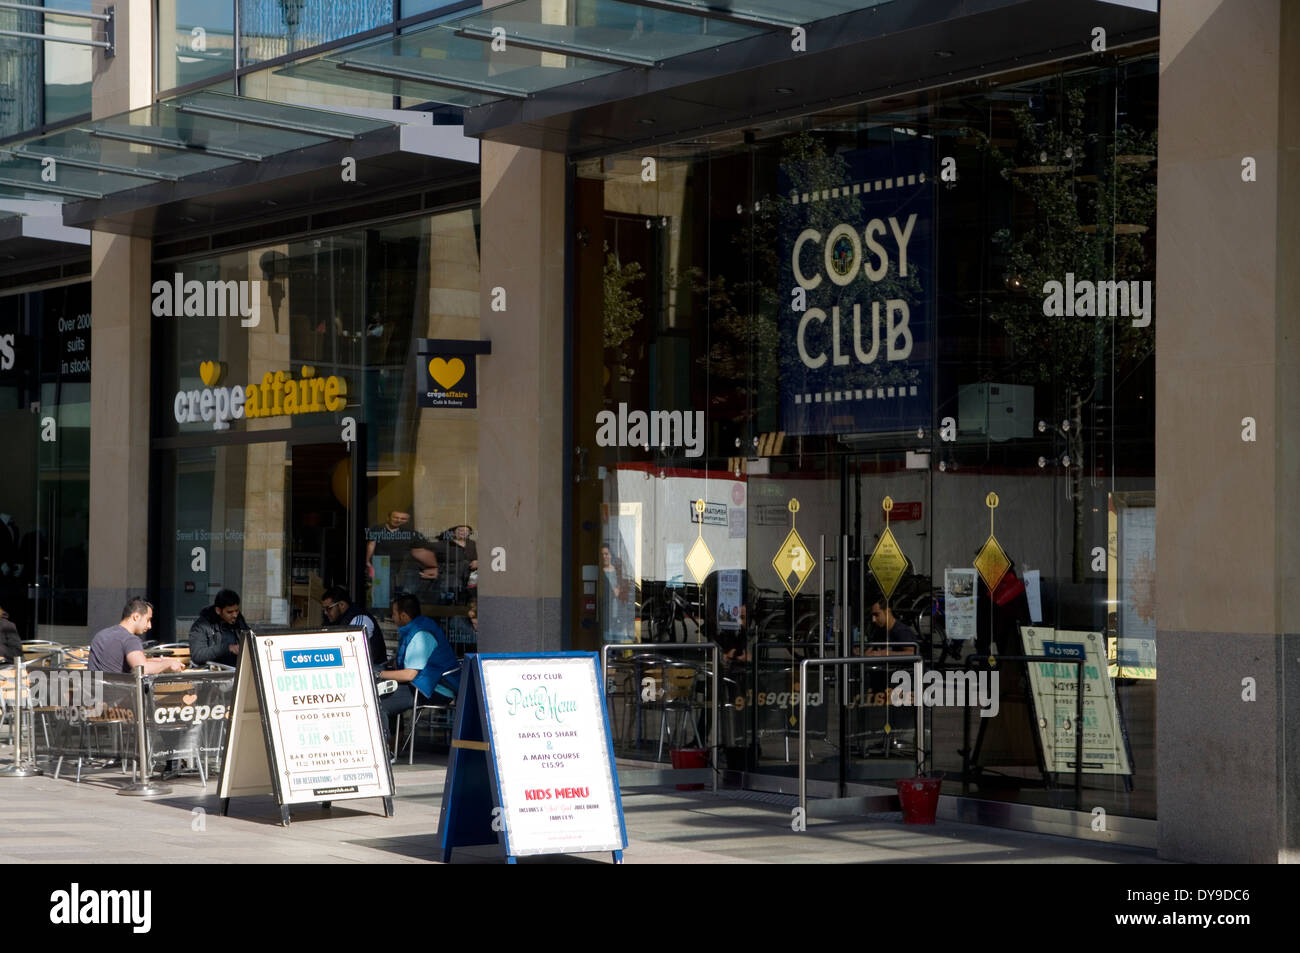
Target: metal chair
{"points": [[435, 704], [677, 697]]}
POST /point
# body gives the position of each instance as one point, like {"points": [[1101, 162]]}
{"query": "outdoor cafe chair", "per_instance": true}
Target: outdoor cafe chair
{"points": [[436, 705]]}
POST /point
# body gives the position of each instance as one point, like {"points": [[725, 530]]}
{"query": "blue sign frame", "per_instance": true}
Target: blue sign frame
{"points": [[472, 793]]}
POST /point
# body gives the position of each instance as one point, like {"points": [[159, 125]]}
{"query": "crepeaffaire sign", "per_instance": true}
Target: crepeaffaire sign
{"points": [[277, 394]]}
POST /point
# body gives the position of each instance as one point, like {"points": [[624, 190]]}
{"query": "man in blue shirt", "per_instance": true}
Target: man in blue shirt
{"points": [[423, 654]]}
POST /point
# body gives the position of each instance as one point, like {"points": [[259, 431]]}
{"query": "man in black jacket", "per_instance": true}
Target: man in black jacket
{"points": [[214, 636]]}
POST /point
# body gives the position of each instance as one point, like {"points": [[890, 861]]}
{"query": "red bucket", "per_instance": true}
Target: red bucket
{"points": [[684, 758], [920, 799]]}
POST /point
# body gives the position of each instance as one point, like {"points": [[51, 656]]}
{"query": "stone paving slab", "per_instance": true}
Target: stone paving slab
{"points": [[44, 820]]}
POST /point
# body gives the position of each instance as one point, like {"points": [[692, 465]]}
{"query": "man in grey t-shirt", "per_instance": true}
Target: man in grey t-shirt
{"points": [[119, 650]]}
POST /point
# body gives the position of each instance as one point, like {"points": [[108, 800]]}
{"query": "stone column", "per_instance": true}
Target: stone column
{"points": [[118, 541], [1228, 551], [521, 386]]}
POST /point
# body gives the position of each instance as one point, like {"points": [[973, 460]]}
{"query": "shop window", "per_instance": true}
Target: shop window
{"points": [[45, 495], [325, 383], [272, 28], [890, 346], [196, 41]]}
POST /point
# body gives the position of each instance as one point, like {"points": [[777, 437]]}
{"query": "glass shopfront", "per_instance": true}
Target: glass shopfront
{"points": [[291, 452], [928, 320], [45, 492]]}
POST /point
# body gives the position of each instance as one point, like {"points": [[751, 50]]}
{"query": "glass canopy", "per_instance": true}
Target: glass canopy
{"points": [[165, 142], [525, 47]]}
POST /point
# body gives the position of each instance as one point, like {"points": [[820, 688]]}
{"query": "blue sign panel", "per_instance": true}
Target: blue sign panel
{"points": [[857, 291], [1064, 649], [313, 658]]}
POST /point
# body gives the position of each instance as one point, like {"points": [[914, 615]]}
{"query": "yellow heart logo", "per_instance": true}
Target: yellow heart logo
{"points": [[189, 699], [446, 373], [210, 372]]}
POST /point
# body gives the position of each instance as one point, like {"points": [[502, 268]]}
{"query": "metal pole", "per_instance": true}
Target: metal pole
{"points": [[57, 39], [713, 721], [56, 12], [144, 785], [1078, 739], [920, 715], [803, 741], [19, 769]]}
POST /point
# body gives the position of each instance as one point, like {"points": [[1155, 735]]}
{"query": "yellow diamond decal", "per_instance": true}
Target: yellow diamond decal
{"points": [[793, 563], [699, 560], [992, 563], [887, 563]]}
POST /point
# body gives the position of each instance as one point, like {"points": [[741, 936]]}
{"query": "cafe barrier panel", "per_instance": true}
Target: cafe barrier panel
{"points": [[663, 658]]}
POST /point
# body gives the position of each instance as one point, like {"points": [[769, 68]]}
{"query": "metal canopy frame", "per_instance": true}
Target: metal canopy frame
{"points": [[397, 72], [49, 187], [541, 46], [720, 14], [162, 142], [267, 122], [199, 144], [76, 163], [681, 29], [108, 44]]}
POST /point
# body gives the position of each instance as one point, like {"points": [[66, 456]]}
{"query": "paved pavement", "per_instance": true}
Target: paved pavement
{"points": [[43, 820]]}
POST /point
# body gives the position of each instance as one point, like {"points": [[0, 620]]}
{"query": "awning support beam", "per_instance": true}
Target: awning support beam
{"points": [[582, 52], [93, 166], [178, 144], [49, 187], [266, 122], [397, 72], [716, 13]]}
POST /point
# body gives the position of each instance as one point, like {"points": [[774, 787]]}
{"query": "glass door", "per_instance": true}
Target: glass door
{"points": [[886, 588], [274, 520]]}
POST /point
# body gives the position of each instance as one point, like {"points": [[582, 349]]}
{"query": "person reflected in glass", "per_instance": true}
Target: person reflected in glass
{"points": [[457, 562], [412, 563], [886, 628], [11, 642], [615, 598]]}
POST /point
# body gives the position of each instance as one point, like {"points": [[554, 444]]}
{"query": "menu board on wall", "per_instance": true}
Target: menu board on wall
{"points": [[1055, 689], [306, 724], [532, 753]]}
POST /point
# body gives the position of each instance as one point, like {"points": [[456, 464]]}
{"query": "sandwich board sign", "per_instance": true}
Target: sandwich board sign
{"points": [[1055, 689], [306, 722], [532, 761]]}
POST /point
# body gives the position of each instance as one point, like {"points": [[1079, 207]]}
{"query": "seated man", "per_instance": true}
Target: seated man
{"points": [[423, 654], [118, 648], [214, 636], [336, 607]]}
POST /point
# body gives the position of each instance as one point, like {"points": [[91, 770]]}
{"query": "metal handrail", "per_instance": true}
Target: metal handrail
{"points": [[872, 661], [665, 650]]}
